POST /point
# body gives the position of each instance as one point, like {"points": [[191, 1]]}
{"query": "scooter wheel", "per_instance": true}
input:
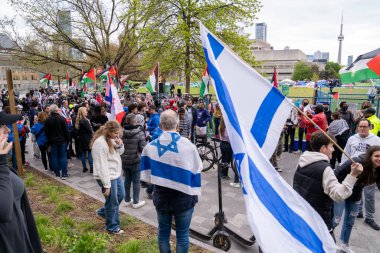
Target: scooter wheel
{"points": [[221, 241]]}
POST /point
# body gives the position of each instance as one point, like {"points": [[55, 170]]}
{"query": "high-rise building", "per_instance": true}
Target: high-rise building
{"points": [[350, 59], [261, 31], [340, 39], [318, 55]]}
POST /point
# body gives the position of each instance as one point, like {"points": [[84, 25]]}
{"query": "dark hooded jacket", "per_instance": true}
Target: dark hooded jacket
{"points": [[134, 142]]}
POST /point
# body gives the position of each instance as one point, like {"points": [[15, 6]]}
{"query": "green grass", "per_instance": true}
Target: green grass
{"points": [[30, 180], [132, 246], [90, 243], [63, 207], [127, 220]]}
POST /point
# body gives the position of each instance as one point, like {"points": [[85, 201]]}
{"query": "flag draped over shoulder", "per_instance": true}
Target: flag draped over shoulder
{"points": [[117, 110], [163, 164], [281, 220], [205, 80], [153, 80]]}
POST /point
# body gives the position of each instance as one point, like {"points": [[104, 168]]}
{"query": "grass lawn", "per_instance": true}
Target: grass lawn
{"points": [[66, 222]]}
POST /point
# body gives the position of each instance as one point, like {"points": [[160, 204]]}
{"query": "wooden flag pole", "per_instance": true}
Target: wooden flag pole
{"points": [[16, 142], [335, 144]]}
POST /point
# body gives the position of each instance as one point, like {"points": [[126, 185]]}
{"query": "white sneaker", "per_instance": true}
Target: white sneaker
{"points": [[138, 205], [128, 203], [346, 248], [236, 185]]}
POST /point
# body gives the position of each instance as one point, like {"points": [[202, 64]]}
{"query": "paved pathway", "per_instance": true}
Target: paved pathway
{"points": [[363, 238]]}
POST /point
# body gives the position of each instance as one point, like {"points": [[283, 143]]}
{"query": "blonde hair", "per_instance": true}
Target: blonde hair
{"points": [[80, 116], [105, 130]]}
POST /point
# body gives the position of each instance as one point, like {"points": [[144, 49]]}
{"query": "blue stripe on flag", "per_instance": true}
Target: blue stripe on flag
{"points": [[216, 46], [290, 220], [170, 172], [223, 94], [238, 160], [265, 115], [298, 229]]}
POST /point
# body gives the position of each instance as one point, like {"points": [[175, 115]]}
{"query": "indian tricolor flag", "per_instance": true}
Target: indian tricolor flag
{"points": [[205, 80], [153, 80], [46, 79], [365, 67]]}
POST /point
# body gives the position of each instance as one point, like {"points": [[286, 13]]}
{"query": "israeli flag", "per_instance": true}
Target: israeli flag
{"points": [[255, 113], [173, 162]]}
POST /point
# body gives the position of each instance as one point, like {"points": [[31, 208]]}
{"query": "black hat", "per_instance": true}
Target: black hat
{"points": [[370, 111], [319, 107], [6, 119]]}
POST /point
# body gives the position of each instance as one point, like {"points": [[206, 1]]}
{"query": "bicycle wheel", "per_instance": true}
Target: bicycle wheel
{"points": [[206, 152]]}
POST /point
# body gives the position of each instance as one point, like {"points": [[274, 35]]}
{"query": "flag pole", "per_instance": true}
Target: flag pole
{"points": [[308, 118]]}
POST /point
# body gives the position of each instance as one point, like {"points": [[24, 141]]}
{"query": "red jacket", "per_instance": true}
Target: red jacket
{"points": [[319, 119]]}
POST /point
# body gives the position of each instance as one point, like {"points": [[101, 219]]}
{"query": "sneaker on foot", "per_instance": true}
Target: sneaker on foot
{"points": [[138, 205], [100, 217], [128, 203], [372, 224], [345, 248], [236, 185], [118, 232], [360, 215]]}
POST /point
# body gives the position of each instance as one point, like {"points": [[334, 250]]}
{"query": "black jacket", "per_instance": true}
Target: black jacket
{"points": [[97, 121], [84, 134], [308, 183], [56, 130], [343, 170], [134, 142], [18, 231]]}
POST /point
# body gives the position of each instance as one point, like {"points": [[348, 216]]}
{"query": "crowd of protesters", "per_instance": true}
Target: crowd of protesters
{"points": [[63, 127]]}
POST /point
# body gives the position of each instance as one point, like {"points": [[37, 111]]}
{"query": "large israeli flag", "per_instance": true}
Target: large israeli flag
{"points": [[255, 113]]}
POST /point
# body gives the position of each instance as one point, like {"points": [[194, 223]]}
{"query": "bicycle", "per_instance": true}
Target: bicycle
{"points": [[207, 152]]}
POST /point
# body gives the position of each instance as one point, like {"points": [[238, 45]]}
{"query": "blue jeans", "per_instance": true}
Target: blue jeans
{"points": [[132, 175], [182, 221], [90, 161], [369, 197], [110, 211], [59, 159], [351, 211]]}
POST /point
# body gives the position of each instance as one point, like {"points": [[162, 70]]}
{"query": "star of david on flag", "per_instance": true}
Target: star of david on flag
{"points": [[172, 146], [281, 220]]}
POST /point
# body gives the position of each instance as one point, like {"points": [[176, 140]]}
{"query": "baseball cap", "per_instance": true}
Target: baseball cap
{"points": [[370, 111], [7, 119]]}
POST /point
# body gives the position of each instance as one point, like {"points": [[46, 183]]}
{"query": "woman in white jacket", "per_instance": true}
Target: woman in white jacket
{"points": [[106, 150]]}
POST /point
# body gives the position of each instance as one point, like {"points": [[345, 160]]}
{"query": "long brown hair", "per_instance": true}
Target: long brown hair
{"points": [[222, 127], [105, 130], [368, 175], [42, 116]]}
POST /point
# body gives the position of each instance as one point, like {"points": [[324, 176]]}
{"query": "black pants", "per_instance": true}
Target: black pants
{"points": [[227, 155], [44, 154], [22, 145], [290, 131], [341, 140]]}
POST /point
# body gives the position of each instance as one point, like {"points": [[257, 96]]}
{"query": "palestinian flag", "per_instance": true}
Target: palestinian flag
{"points": [[89, 77], [153, 80], [365, 67], [205, 80], [67, 81], [46, 79], [274, 78], [112, 73]]}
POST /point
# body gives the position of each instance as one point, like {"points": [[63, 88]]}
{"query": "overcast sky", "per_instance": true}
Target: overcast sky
{"points": [[315, 25]]}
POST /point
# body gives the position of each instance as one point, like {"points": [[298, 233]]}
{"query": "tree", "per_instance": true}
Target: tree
{"points": [[180, 52], [331, 71], [79, 34], [302, 71]]}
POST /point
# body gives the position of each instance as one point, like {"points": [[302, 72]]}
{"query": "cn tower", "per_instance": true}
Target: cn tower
{"points": [[340, 39]]}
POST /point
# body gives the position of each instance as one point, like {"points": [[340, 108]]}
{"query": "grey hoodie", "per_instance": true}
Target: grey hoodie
{"points": [[356, 145], [336, 191]]}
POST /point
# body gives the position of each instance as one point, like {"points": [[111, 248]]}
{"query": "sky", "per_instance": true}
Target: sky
{"points": [[315, 25]]}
